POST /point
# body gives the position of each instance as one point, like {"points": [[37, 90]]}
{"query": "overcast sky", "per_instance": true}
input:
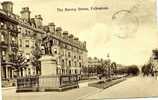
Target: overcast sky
{"points": [[97, 28]]}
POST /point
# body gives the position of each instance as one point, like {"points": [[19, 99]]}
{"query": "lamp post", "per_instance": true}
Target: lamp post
{"points": [[108, 65]]}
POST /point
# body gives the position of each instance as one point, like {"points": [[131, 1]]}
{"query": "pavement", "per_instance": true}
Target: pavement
{"points": [[74, 94], [133, 87]]}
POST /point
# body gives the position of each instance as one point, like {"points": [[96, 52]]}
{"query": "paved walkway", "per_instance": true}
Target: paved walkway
{"points": [[133, 87], [74, 94]]}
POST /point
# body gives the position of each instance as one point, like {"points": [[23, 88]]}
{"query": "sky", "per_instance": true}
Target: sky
{"points": [[126, 30]]}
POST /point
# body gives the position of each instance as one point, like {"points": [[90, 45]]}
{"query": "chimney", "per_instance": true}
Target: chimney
{"points": [[38, 21], [84, 44], [51, 27], [58, 30], [65, 34], [71, 37], [25, 14], [46, 29], [76, 38], [7, 6]]}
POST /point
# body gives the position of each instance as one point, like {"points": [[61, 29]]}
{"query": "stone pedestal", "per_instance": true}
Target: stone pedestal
{"points": [[47, 80], [50, 80], [48, 65]]}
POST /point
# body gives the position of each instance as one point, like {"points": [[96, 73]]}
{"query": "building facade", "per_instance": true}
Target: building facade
{"points": [[30, 32], [8, 40]]}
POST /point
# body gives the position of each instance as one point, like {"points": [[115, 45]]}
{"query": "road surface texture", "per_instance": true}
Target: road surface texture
{"points": [[132, 87]]}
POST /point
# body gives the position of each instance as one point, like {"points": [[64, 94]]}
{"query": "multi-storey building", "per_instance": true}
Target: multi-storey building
{"points": [[70, 53], [8, 39], [20, 33]]}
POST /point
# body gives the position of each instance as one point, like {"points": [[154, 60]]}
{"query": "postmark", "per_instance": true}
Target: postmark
{"points": [[124, 24]]}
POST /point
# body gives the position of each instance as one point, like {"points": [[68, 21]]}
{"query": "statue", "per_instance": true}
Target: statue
{"points": [[47, 47]]}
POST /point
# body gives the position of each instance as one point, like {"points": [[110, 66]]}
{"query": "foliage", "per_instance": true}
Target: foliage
{"points": [[129, 70], [36, 54], [147, 69], [17, 60], [133, 69]]}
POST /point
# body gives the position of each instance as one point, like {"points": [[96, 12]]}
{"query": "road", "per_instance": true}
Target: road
{"points": [[132, 87]]}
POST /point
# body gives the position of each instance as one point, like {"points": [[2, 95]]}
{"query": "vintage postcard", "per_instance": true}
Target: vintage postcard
{"points": [[78, 49]]}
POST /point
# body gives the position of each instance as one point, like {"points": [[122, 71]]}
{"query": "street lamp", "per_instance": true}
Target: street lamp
{"points": [[108, 65]]}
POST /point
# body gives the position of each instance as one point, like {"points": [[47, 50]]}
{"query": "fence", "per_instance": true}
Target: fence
{"points": [[35, 83]]}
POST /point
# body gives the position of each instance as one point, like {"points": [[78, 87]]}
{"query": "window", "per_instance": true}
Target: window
{"points": [[55, 51], [3, 55], [19, 29], [75, 71], [29, 71], [20, 42], [75, 64], [63, 62], [27, 56], [10, 26], [26, 43], [2, 38], [13, 39], [79, 57], [69, 63], [69, 54], [80, 64], [69, 71], [2, 25], [25, 32]]}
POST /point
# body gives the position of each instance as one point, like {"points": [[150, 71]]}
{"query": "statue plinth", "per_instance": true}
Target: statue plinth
{"points": [[48, 65]]}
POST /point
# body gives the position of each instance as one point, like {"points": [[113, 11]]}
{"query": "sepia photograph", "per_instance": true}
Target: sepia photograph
{"points": [[78, 49]]}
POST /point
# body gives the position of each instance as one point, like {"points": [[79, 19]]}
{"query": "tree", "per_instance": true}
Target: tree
{"points": [[37, 53], [147, 69], [18, 61], [114, 67], [133, 70]]}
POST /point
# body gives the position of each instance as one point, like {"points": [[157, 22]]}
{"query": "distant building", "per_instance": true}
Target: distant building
{"points": [[94, 62]]}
